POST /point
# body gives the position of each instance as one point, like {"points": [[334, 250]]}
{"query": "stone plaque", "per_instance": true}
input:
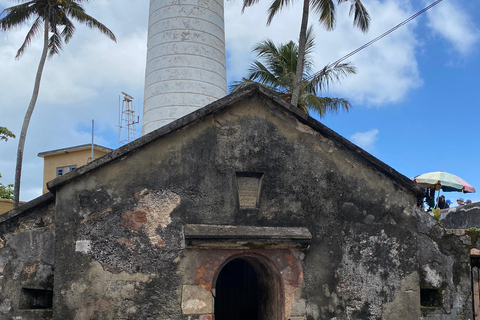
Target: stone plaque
{"points": [[248, 190]]}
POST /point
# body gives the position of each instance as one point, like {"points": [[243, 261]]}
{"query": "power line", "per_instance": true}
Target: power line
{"points": [[372, 41]]}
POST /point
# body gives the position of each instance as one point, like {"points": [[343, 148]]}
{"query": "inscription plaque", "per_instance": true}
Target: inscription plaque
{"points": [[248, 190]]}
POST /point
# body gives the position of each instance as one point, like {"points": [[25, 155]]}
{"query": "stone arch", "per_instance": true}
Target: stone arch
{"points": [[260, 283]]}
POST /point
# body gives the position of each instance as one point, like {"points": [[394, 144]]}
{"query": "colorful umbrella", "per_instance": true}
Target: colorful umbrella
{"points": [[443, 180]]}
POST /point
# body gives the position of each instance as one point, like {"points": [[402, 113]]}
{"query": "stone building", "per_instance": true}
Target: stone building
{"points": [[244, 209]]}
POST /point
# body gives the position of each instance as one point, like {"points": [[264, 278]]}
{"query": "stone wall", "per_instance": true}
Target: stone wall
{"points": [[461, 217], [445, 270], [27, 260], [120, 238]]}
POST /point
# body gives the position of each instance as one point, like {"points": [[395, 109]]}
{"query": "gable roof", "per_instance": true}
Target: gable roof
{"points": [[248, 91], [74, 149]]}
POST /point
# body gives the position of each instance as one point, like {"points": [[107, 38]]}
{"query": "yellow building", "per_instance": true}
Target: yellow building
{"points": [[7, 205], [60, 161]]}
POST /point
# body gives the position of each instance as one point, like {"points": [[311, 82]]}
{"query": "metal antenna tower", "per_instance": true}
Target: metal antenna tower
{"points": [[126, 120]]}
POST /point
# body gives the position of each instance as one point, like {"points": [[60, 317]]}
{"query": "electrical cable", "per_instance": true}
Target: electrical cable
{"points": [[372, 41]]}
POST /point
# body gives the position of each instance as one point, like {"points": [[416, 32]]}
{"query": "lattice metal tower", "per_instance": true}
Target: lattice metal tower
{"points": [[127, 120]]}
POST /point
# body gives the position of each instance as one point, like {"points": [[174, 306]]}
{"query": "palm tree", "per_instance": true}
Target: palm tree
{"points": [[326, 11], [54, 17], [277, 72]]}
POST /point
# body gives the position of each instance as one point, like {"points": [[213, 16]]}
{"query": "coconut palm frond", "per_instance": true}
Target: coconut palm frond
{"points": [[16, 15], [331, 74], [237, 85], [34, 31], [310, 41], [265, 49], [68, 29], [323, 105], [248, 3], [275, 69], [55, 44], [326, 12], [259, 72], [275, 8], [78, 13], [361, 18]]}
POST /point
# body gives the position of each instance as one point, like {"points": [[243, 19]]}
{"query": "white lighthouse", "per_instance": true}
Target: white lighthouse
{"points": [[186, 66]]}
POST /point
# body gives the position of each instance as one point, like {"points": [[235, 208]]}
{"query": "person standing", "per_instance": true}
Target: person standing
{"points": [[441, 203]]}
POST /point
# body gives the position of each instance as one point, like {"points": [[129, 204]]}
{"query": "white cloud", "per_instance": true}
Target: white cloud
{"points": [[365, 140], [85, 80], [242, 31], [81, 84], [451, 22], [387, 70]]}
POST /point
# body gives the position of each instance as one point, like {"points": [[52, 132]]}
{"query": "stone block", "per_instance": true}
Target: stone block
{"points": [[299, 307], [196, 300]]}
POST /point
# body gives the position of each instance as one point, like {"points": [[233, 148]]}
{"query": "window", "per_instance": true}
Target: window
{"points": [[36, 299], [431, 298], [62, 170]]}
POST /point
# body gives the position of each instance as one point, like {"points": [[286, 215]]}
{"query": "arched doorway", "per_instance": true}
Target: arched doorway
{"points": [[248, 287]]}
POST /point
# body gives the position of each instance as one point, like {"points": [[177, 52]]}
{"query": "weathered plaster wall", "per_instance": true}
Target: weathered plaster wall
{"points": [[445, 265], [120, 243], [461, 217], [26, 258]]}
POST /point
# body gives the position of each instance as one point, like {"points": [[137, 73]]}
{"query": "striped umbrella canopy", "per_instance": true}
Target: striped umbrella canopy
{"points": [[443, 180]]}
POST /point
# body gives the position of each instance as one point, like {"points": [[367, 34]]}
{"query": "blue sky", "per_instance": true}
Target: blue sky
{"points": [[414, 97], [434, 127]]}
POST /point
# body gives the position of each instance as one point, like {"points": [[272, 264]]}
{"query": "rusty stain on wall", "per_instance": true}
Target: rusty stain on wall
{"points": [[134, 220], [152, 210]]}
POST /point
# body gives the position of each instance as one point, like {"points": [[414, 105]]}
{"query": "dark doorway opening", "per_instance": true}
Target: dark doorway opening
{"points": [[237, 292], [248, 288]]}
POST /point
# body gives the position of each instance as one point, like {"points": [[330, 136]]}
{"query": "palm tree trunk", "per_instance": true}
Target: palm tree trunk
{"points": [[301, 53], [28, 115]]}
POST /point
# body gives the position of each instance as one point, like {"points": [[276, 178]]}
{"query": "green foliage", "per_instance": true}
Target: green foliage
{"points": [[6, 191], [276, 67], [5, 134]]}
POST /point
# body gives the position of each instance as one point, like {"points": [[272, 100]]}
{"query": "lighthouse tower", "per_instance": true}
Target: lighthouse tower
{"points": [[185, 59]]}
